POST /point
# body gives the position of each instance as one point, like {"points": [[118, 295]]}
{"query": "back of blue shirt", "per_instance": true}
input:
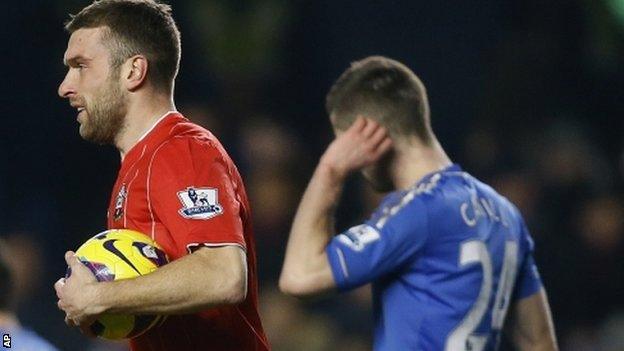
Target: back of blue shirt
{"points": [[446, 257]]}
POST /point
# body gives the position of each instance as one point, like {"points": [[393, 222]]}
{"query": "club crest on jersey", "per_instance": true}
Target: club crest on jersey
{"points": [[120, 200], [199, 203]]}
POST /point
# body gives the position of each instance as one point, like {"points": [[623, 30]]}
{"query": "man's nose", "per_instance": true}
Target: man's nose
{"points": [[65, 89]]}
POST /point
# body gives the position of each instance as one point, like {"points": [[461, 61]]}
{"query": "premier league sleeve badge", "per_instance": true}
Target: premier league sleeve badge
{"points": [[199, 203]]}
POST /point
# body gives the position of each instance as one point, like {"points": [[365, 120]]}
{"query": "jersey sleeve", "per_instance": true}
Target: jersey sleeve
{"points": [[381, 245], [193, 193], [528, 281]]}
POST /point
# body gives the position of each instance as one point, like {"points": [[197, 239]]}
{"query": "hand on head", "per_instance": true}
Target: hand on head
{"points": [[363, 144]]}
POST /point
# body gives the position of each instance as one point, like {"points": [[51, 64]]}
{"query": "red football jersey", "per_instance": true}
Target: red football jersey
{"points": [[178, 185]]}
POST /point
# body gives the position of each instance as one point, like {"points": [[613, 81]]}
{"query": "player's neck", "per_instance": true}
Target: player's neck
{"points": [[414, 161], [140, 118], [8, 320]]}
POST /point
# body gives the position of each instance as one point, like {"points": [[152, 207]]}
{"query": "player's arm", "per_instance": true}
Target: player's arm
{"points": [[531, 325], [206, 278], [209, 276], [306, 269]]}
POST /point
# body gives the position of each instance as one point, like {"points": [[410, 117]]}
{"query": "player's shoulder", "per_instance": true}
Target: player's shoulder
{"points": [[405, 208], [188, 141], [503, 202], [472, 186], [502, 207], [434, 192], [189, 133]]}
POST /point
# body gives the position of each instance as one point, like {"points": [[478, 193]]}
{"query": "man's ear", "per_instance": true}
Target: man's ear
{"points": [[134, 72]]}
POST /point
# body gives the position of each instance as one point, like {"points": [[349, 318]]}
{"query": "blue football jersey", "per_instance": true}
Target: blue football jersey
{"points": [[445, 259]]}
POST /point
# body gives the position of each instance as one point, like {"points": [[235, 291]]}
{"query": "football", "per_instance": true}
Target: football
{"points": [[121, 254]]}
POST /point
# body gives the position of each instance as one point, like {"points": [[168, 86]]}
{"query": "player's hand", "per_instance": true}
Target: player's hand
{"points": [[77, 294], [363, 144]]}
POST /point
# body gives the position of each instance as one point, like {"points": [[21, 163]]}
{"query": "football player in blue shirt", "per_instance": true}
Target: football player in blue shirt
{"points": [[447, 256]]}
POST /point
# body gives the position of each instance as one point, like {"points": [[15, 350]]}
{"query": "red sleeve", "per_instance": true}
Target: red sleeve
{"points": [[192, 192]]}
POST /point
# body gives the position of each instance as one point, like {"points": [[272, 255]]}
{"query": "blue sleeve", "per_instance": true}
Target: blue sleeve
{"points": [[528, 281], [381, 245]]}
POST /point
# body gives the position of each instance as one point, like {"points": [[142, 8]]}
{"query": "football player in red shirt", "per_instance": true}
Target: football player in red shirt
{"points": [[176, 184]]}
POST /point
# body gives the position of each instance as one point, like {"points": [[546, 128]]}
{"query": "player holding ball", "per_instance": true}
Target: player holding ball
{"points": [[176, 184], [447, 256]]}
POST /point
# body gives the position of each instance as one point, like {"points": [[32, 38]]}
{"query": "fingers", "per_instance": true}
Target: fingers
{"points": [[379, 135], [70, 322], [358, 125], [365, 127], [58, 286], [76, 266], [384, 146], [370, 128], [362, 144], [70, 258], [377, 139], [376, 136]]}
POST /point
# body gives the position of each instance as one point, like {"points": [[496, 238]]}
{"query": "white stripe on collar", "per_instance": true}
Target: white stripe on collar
{"points": [[154, 125]]}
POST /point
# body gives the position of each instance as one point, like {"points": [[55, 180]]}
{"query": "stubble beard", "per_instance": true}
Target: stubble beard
{"points": [[106, 115]]}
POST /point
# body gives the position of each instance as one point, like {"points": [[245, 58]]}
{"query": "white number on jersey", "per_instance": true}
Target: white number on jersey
{"points": [[463, 337]]}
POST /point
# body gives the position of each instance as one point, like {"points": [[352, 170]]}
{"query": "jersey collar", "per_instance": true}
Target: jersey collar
{"points": [[453, 167], [152, 137], [167, 114]]}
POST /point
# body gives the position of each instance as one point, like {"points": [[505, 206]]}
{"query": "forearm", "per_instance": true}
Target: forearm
{"points": [[307, 270], [313, 228], [528, 345], [541, 340], [532, 327], [189, 284]]}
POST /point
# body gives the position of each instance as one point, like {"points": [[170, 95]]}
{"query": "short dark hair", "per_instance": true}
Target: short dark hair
{"points": [[6, 282], [143, 27], [385, 90]]}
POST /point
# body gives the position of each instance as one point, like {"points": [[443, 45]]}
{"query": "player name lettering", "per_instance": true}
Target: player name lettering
{"points": [[481, 208]]}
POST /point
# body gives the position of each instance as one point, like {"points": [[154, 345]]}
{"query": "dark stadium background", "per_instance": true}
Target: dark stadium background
{"points": [[528, 95]]}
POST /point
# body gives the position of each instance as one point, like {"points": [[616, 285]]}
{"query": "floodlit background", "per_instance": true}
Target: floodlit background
{"points": [[527, 95]]}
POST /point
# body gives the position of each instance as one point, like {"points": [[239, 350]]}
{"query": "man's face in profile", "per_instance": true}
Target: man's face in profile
{"points": [[93, 86]]}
